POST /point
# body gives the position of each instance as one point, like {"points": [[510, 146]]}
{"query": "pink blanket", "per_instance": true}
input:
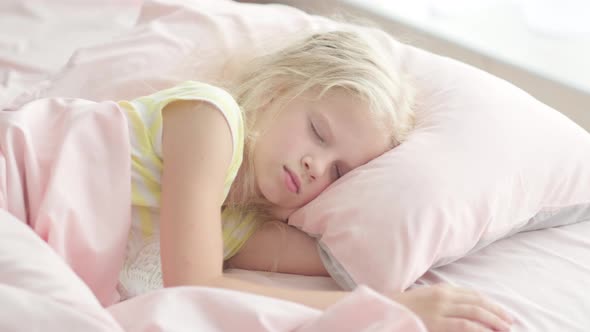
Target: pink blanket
{"points": [[64, 173], [540, 276]]}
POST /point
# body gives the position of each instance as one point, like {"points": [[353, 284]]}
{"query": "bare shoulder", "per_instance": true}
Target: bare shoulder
{"points": [[197, 150], [196, 143]]}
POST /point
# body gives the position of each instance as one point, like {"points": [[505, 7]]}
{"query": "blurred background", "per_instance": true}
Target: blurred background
{"points": [[543, 46]]}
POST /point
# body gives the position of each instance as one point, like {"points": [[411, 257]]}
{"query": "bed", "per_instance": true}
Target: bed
{"points": [[541, 276]]}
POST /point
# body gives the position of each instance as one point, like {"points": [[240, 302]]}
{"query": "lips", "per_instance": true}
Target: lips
{"points": [[292, 181]]}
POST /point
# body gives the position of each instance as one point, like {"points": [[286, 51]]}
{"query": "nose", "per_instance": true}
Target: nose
{"points": [[315, 167]]}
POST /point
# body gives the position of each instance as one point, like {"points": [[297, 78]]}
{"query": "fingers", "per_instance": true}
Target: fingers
{"points": [[447, 308], [480, 315], [474, 298], [473, 306], [463, 325]]}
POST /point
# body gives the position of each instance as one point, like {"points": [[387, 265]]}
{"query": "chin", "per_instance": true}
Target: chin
{"points": [[269, 195], [293, 206], [281, 204], [278, 197]]}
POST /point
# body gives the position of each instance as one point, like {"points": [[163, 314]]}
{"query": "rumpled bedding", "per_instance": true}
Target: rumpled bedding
{"points": [[64, 203], [58, 262], [64, 220]]}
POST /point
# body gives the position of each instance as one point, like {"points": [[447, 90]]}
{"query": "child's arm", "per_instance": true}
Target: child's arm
{"points": [[197, 151], [278, 247]]}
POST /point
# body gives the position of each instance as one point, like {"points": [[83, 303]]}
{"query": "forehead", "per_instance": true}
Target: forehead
{"points": [[358, 135]]}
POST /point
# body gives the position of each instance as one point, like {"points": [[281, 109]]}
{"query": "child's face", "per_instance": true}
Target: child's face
{"points": [[294, 164]]}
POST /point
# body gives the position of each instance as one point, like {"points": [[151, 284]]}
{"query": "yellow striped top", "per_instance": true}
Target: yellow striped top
{"points": [[144, 116]]}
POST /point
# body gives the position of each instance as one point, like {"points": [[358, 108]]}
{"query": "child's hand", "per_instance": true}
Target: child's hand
{"points": [[447, 308]]}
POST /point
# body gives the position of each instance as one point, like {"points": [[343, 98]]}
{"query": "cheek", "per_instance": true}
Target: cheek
{"points": [[276, 148], [286, 140], [293, 146]]}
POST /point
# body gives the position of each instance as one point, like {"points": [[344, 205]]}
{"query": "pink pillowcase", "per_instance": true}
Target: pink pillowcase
{"points": [[484, 159]]}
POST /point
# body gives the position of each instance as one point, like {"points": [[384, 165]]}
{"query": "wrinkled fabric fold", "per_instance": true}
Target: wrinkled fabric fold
{"points": [[65, 170], [64, 222]]}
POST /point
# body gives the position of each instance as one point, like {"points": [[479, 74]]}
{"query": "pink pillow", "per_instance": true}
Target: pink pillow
{"points": [[486, 159]]}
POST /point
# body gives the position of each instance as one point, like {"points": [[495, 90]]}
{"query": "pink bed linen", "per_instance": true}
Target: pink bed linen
{"points": [[37, 37], [541, 277], [39, 291], [65, 173], [64, 219]]}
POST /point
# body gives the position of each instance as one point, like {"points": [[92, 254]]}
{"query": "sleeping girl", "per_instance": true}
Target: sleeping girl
{"points": [[216, 172]]}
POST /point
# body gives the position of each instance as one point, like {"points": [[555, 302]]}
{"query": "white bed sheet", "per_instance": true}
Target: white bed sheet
{"points": [[542, 277]]}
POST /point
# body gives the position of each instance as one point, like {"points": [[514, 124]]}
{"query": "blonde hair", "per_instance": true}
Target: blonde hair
{"points": [[343, 59]]}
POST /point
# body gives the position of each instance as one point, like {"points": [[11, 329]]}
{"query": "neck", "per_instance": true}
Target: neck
{"points": [[281, 214]]}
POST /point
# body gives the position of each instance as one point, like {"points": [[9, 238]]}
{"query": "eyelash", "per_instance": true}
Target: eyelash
{"points": [[317, 134], [315, 131], [338, 174]]}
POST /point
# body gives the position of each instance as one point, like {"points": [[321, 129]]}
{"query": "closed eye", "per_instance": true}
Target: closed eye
{"points": [[315, 132], [337, 172]]}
